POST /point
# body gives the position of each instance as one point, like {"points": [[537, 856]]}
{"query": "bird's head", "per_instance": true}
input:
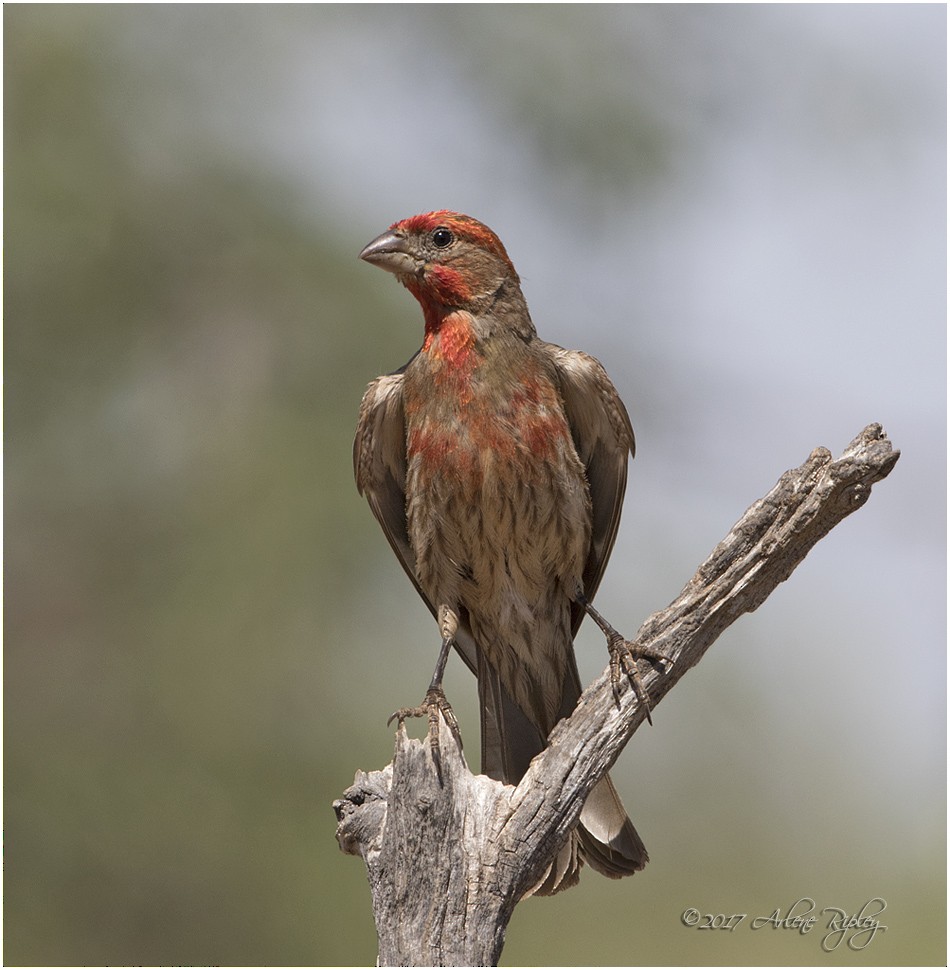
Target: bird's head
{"points": [[448, 261]]}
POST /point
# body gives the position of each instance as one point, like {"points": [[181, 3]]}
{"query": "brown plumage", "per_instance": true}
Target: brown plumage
{"points": [[496, 464]]}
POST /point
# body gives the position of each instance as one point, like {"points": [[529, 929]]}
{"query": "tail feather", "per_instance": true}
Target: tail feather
{"points": [[609, 842], [564, 871], [605, 837]]}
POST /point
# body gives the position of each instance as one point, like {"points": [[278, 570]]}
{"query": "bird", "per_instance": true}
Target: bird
{"points": [[496, 464]]}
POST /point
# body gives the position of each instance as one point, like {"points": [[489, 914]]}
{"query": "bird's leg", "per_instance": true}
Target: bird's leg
{"points": [[624, 656], [435, 702]]}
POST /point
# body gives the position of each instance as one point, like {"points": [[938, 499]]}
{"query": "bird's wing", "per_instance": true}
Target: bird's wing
{"points": [[603, 437], [379, 462]]}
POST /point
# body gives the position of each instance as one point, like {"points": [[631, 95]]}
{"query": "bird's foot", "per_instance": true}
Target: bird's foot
{"points": [[623, 662], [624, 655], [434, 705]]}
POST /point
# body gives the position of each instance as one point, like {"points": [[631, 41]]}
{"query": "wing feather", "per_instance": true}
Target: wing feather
{"points": [[603, 437], [379, 463]]}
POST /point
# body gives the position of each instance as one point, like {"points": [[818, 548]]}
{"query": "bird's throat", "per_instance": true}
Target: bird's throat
{"points": [[450, 342]]}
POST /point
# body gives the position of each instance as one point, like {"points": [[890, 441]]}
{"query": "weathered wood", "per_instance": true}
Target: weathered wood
{"points": [[447, 862]]}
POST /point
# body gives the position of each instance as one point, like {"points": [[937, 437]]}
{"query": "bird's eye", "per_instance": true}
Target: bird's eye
{"points": [[442, 237]]}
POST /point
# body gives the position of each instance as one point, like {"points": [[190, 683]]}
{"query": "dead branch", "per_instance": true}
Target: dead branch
{"points": [[447, 863]]}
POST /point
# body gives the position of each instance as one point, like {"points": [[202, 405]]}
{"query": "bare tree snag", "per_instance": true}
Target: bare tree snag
{"points": [[447, 862]]}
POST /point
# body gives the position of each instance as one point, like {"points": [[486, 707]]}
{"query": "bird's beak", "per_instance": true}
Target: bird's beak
{"points": [[391, 252]]}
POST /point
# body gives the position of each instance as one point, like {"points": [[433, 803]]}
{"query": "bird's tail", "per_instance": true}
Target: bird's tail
{"points": [[609, 842], [605, 839]]}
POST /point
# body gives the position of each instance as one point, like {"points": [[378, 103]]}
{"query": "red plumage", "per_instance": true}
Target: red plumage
{"points": [[496, 464]]}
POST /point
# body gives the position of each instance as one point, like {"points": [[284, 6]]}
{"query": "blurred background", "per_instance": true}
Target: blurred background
{"points": [[739, 209]]}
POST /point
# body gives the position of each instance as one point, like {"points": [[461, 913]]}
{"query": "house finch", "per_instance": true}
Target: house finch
{"points": [[496, 464]]}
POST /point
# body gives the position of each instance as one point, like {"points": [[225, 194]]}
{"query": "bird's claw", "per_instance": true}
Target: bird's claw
{"points": [[623, 662], [435, 704]]}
